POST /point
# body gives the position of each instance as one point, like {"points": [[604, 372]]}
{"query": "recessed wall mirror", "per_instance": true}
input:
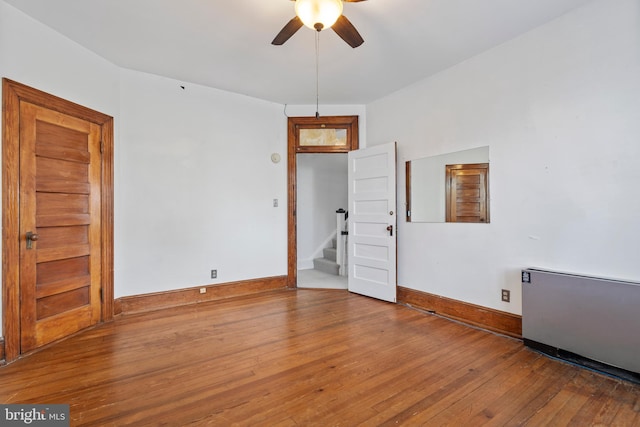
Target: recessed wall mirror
{"points": [[451, 187]]}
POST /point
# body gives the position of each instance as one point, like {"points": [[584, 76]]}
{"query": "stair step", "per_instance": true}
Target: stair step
{"points": [[328, 266], [330, 253]]}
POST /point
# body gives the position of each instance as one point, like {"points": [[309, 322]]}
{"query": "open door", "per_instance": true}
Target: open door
{"points": [[372, 222]]}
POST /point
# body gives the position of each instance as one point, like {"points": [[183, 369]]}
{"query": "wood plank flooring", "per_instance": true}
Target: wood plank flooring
{"points": [[310, 358]]}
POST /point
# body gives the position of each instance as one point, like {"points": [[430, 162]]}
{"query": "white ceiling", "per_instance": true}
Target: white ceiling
{"points": [[226, 44]]}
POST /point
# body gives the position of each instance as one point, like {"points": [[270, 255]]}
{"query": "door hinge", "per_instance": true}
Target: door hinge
{"points": [[101, 300], [101, 146]]}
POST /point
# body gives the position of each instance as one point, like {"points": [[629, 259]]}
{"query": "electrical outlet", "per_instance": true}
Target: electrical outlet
{"points": [[203, 290], [506, 295], [275, 203], [214, 274]]}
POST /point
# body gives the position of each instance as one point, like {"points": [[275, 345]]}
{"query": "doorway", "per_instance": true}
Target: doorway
{"points": [[58, 218], [322, 191], [298, 127]]}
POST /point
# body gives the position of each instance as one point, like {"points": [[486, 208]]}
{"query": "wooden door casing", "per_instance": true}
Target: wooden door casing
{"points": [[294, 124], [17, 97]]}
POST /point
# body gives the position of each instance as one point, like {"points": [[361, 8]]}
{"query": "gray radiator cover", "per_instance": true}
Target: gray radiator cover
{"points": [[592, 317]]}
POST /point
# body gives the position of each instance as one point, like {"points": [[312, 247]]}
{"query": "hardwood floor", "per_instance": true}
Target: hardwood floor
{"points": [[310, 358]]}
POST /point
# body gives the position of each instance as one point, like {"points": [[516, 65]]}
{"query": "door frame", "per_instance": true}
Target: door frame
{"points": [[294, 124], [12, 94]]}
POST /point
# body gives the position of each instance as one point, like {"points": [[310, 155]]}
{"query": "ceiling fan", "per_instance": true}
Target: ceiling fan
{"points": [[319, 15]]}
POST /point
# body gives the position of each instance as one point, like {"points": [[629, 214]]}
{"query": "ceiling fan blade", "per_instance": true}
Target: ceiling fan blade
{"points": [[352, 1], [287, 31], [345, 29]]}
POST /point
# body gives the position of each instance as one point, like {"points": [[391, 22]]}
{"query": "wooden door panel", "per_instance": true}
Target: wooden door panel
{"points": [[47, 255], [56, 327], [464, 177], [60, 183], [63, 186], [64, 269], [468, 193], [52, 288], [68, 154], [54, 203], [58, 156], [63, 220], [62, 243], [55, 237], [56, 169], [63, 302], [72, 134], [467, 209]]}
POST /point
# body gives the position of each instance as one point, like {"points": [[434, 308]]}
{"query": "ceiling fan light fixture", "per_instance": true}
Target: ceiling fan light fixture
{"points": [[318, 14]]}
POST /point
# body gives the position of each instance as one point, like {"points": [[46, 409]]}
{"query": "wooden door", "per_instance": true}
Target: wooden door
{"points": [[467, 193], [372, 222], [60, 222], [57, 223]]}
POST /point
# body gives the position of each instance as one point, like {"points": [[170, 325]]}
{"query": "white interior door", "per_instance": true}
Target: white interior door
{"points": [[372, 221]]}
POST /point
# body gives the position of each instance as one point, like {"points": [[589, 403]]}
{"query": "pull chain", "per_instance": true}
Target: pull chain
{"points": [[317, 73]]}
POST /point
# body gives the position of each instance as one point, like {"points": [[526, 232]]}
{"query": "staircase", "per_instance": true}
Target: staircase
{"points": [[328, 263]]}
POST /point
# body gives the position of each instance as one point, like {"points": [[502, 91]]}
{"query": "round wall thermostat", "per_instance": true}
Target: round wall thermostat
{"points": [[275, 157]]}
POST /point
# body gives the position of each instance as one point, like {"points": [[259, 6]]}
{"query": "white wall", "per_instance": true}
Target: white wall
{"points": [[37, 56], [559, 108], [197, 186], [322, 189]]}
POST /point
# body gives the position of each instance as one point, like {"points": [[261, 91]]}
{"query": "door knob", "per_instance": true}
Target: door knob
{"points": [[31, 237], [390, 230]]}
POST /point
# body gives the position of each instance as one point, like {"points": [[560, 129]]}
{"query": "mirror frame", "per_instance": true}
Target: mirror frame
{"points": [[407, 185], [455, 159]]}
